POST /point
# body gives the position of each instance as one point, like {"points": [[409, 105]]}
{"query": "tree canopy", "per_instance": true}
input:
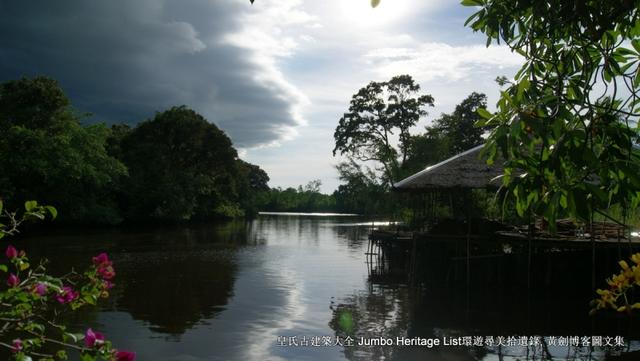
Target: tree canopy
{"points": [[459, 128], [177, 166], [180, 167], [376, 113], [447, 135], [48, 155]]}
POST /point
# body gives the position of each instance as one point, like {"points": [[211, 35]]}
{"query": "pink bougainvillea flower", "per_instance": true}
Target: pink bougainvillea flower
{"points": [[102, 259], [40, 289], [17, 345], [13, 280], [11, 252], [125, 356], [93, 338], [67, 295], [106, 272]]}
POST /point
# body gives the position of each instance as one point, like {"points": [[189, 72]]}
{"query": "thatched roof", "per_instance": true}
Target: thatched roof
{"points": [[465, 170]]}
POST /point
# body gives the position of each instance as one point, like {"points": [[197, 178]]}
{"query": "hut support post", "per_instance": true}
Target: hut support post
{"points": [[467, 212]]}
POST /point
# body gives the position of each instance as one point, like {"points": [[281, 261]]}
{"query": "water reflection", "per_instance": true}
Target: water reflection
{"points": [[227, 292], [172, 293], [378, 312], [489, 323], [385, 314], [170, 277]]}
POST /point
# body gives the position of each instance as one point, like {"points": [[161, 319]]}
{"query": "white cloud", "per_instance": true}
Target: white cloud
{"points": [[440, 61]]}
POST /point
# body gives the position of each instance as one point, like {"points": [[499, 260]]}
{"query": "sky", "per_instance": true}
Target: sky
{"points": [[276, 76]]}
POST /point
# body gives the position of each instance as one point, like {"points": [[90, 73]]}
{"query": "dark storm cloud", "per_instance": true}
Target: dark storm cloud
{"points": [[125, 60]]}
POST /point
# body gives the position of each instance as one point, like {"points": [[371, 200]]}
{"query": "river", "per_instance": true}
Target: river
{"points": [[281, 287]]}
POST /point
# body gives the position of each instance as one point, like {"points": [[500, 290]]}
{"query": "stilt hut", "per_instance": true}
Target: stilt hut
{"points": [[451, 181], [468, 241], [450, 184]]}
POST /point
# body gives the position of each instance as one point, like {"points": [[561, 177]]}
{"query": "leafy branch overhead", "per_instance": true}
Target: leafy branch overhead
{"points": [[567, 123]]}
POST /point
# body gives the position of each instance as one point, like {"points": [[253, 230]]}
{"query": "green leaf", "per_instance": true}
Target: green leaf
{"points": [[375, 3], [52, 211], [86, 357], [4, 268], [484, 113], [522, 86], [563, 201], [74, 337], [624, 52], [62, 355], [471, 3], [37, 326], [30, 205]]}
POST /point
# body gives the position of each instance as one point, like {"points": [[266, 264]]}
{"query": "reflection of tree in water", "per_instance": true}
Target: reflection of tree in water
{"points": [[178, 292], [189, 275], [380, 312]]}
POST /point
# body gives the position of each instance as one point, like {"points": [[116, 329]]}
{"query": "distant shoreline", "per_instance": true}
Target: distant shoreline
{"points": [[313, 214]]}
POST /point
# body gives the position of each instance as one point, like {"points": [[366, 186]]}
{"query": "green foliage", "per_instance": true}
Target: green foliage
{"points": [[450, 134], [376, 113], [361, 191], [47, 154], [302, 199], [566, 125], [252, 184], [458, 130], [181, 167], [37, 103]]}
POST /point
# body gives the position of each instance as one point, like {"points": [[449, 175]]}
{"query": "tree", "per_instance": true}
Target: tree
{"points": [[459, 128], [46, 153], [36, 103], [447, 136], [360, 191], [252, 184], [377, 112], [181, 167], [566, 124]]}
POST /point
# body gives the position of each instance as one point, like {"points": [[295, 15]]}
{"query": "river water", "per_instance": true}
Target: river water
{"points": [[283, 287]]}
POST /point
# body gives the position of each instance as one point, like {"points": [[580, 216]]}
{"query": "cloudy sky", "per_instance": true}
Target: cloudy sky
{"points": [[276, 76]]}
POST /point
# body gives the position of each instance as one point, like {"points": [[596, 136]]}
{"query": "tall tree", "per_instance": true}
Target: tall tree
{"points": [[181, 167], [377, 113]]}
